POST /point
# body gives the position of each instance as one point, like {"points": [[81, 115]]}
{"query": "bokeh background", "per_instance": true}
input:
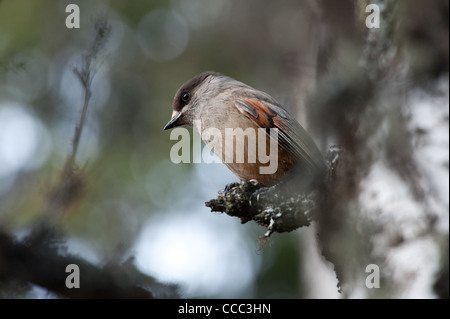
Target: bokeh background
{"points": [[134, 205]]}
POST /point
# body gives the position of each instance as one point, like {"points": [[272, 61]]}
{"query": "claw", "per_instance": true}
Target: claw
{"points": [[228, 187]]}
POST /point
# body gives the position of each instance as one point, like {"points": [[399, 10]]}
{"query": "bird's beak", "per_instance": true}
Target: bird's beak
{"points": [[174, 120]]}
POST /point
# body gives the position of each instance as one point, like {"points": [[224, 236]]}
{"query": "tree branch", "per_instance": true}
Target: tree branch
{"points": [[272, 207], [41, 259]]}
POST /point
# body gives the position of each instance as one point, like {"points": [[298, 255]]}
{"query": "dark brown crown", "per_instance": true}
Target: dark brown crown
{"points": [[187, 90]]}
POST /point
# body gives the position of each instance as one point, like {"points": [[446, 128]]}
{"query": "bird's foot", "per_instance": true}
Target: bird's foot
{"points": [[266, 191], [230, 186], [245, 185]]}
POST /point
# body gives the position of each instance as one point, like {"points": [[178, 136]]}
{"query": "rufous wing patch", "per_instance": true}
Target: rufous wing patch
{"points": [[256, 110]]}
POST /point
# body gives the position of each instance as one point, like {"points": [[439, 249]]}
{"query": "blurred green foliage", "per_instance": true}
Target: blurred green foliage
{"points": [[123, 138], [288, 48]]}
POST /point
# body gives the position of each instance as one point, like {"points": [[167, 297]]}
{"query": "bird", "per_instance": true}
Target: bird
{"points": [[211, 100]]}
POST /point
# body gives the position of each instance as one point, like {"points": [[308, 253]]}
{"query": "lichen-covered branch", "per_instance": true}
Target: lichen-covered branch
{"points": [[272, 207]]}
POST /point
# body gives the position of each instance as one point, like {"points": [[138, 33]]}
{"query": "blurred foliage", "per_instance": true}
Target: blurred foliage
{"points": [[123, 139], [127, 177]]}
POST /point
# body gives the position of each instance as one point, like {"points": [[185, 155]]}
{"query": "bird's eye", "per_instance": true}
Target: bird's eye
{"points": [[185, 97]]}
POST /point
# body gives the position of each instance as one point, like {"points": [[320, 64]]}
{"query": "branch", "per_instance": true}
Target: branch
{"points": [[272, 207], [85, 74], [72, 181], [40, 259]]}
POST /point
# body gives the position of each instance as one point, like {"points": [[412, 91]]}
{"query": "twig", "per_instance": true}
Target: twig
{"points": [[86, 74], [71, 183]]}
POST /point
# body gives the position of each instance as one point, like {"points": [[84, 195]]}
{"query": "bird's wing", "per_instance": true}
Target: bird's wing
{"points": [[291, 135]]}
